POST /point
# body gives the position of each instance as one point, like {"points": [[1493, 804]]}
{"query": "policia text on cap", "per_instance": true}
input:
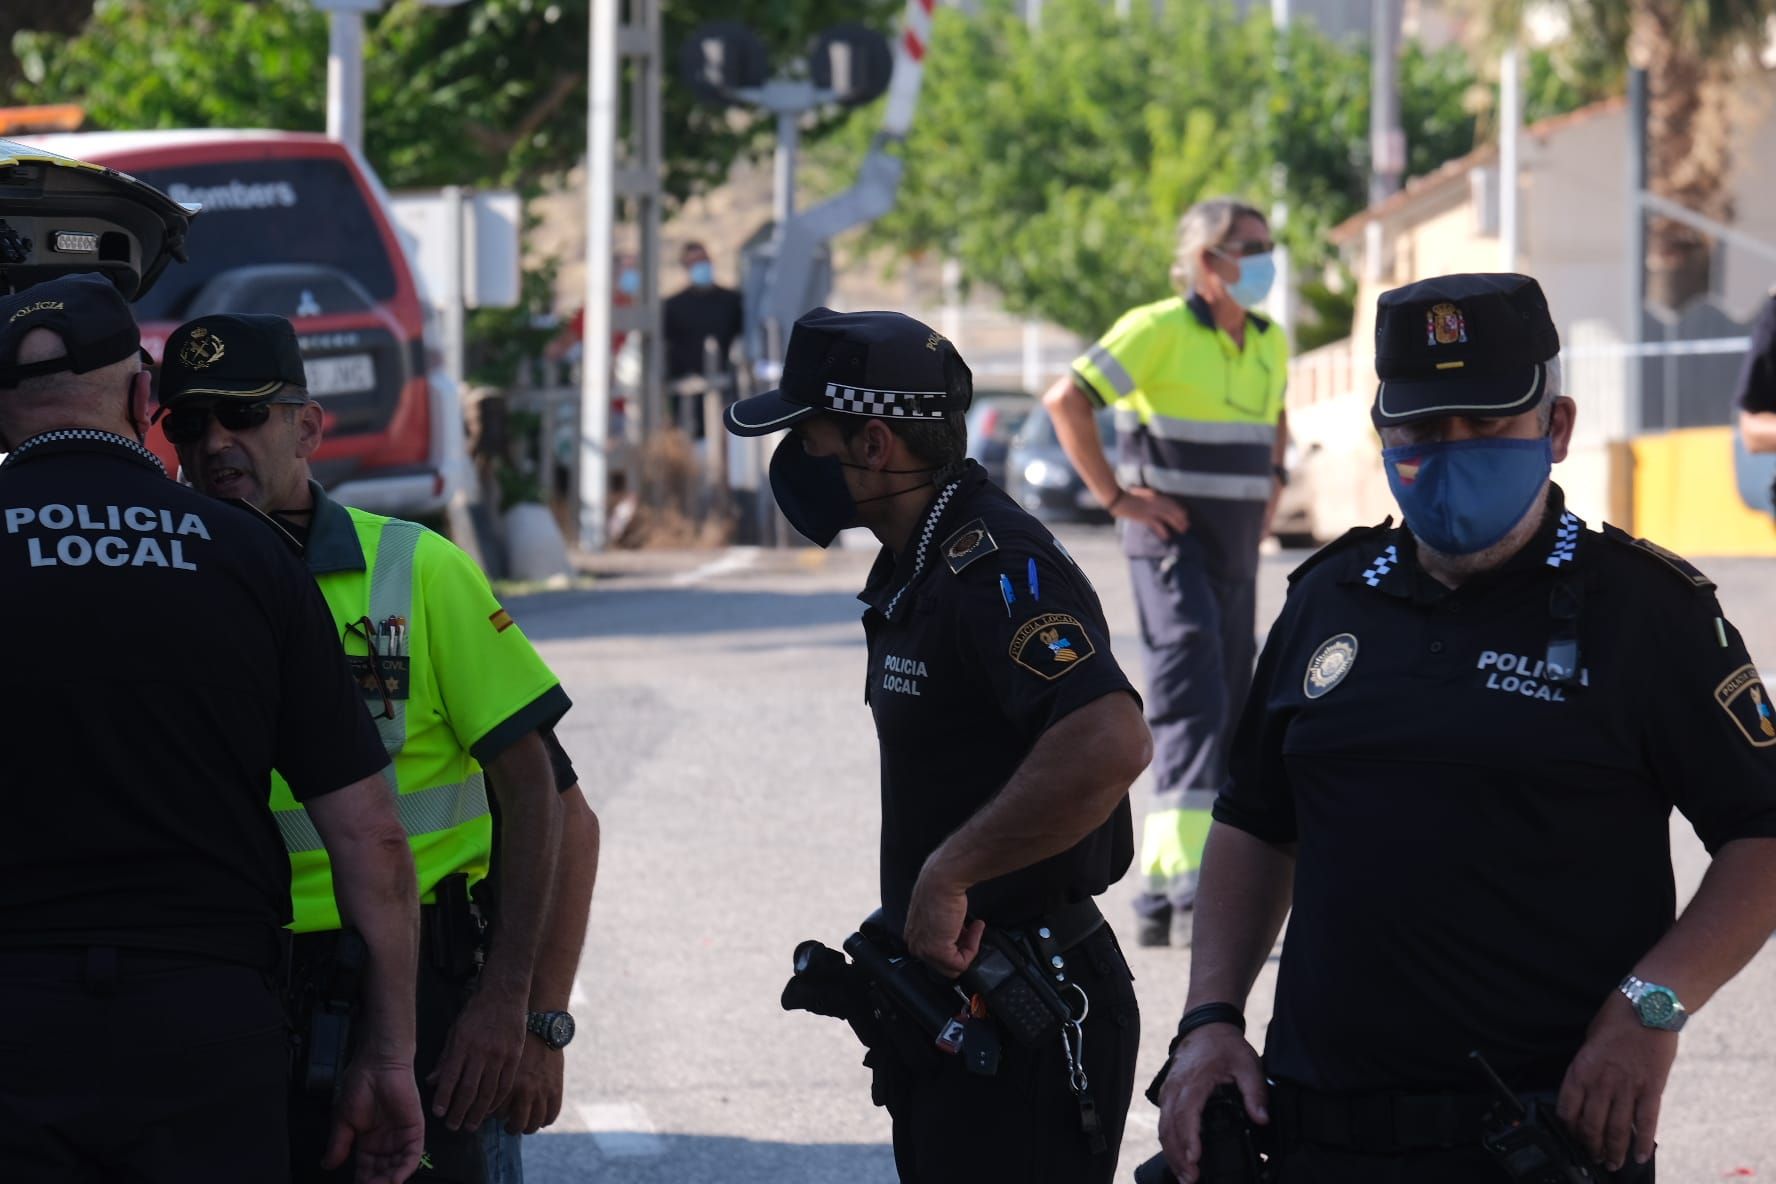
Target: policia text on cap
{"points": [[141, 926]]}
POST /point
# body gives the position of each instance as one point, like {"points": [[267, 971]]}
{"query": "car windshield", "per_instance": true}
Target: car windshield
{"points": [[289, 210], [1039, 429]]}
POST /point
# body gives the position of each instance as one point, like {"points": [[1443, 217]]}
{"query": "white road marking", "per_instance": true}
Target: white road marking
{"points": [[737, 559], [621, 1130]]}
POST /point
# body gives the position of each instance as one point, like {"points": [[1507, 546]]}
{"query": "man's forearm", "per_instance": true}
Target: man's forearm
{"points": [[1076, 427], [1242, 898], [576, 871], [1759, 430], [1726, 924], [1055, 798], [378, 895], [523, 782]]}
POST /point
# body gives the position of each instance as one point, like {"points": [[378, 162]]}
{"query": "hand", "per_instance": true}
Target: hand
{"points": [[1212, 1055], [938, 931], [378, 1121], [535, 1100], [1270, 508], [1614, 1086], [1163, 515], [480, 1059]]}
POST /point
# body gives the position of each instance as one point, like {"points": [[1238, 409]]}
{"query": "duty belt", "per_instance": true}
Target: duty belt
{"points": [[1057, 931], [1376, 1123]]}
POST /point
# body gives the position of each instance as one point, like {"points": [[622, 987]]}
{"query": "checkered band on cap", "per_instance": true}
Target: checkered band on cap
{"points": [[888, 404]]}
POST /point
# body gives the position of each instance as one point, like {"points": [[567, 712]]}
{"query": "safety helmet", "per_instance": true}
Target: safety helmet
{"points": [[59, 216]]}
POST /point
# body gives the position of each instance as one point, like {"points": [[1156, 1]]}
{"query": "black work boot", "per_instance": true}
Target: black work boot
{"points": [[1154, 929]]}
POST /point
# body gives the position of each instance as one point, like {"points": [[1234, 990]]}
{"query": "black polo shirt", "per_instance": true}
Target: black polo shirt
{"points": [[1757, 378], [165, 652], [1484, 853], [962, 684]]}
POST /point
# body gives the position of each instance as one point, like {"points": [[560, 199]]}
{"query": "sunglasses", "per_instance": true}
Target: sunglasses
{"points": [[187, 425], [1244, 249]]}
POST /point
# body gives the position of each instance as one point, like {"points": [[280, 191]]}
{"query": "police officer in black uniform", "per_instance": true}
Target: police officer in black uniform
{"points": [[1008, 735], [1463, 744], [1756, 394], [165, 652]]}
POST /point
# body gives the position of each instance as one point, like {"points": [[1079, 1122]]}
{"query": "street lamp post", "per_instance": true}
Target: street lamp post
{"points": [[345, 66]]}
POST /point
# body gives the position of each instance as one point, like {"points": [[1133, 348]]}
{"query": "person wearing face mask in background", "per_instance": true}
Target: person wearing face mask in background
{"points": [[1458, 762], [1197, 386], [990, 674], [701, 320]]}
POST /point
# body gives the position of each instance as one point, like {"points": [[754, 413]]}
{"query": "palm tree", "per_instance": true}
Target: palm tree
{"points": [[1694, 51]]}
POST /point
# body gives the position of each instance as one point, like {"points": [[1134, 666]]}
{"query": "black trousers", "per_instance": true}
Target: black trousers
{"points": [[452, 1157], [1021, 1126], [122, 1067], [1307, 1164]]}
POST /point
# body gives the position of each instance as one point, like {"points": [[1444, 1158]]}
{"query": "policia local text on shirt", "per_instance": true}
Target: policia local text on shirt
{"points": [[989, 672], [1463, 744], [166, 652]]}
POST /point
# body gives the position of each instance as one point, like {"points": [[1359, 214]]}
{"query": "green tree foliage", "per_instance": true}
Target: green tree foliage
{"points": [[1055, 163], [490, 92]]}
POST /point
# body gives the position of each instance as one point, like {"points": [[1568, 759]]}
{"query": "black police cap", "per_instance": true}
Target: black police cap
{"points": [[231, 356], [86, 311], [882, 364], [1461, 345]]}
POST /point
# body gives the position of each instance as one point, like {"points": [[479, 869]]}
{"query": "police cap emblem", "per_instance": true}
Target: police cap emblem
{"points": [[1329, 664], [202, 349]]}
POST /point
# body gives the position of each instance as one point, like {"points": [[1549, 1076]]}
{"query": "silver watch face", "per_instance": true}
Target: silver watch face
{"points": [[1657, 1007]]}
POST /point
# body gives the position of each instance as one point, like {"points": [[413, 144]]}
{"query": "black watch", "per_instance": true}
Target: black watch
{"points": [[553, 1028]]}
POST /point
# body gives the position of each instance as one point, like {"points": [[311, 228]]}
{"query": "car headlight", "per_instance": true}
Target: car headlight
{"points": [[1045, 475]]}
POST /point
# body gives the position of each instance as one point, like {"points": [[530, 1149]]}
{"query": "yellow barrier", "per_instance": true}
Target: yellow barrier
{"points": [[1686, 499]]}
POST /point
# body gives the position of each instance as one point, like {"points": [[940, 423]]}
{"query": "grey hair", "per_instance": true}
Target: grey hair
{"points": [[1553, 386], [1205, 225]]}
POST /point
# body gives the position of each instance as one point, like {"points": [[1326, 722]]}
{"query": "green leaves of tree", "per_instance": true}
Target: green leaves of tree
{"points": [[492, 92]]}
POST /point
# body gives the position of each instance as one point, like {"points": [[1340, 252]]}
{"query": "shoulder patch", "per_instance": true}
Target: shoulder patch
{"points": [[1349, 538], [1051, 645], [1670, 560], [968, 544], [1743, 697]]}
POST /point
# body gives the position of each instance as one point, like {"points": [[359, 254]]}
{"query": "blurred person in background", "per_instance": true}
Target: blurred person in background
{"points": [[1196, 382]]}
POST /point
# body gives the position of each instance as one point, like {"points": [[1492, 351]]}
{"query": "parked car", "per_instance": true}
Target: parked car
{"points": [[1296, 524], [1041, 478], [296, 224], [993, 419]]}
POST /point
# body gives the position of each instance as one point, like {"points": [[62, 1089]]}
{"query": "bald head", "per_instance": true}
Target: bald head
{"points": [[104, 398]]}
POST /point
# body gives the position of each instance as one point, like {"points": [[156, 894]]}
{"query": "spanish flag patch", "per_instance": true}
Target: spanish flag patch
{"points": [[502, 621]]}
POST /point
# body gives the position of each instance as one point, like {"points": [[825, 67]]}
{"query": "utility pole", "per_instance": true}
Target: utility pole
{"points": [[345, 69], [1387, 140], [619, 168], [1510, 128]]}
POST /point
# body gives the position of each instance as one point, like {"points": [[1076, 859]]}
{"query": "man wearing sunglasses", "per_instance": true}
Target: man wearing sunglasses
{"points": [[1197, 385], [165, 653], [460, 698]]}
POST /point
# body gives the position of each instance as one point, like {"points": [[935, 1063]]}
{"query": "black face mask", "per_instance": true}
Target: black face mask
{"points": [[811, 491]]}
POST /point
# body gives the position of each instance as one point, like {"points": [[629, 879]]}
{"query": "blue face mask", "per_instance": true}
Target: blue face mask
{"points": [[629, 281], [1463, 496], [1257, 274], [703, 274]]}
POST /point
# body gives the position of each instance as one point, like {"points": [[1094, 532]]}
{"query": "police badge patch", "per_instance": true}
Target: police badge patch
{"points": [[1742, 696], [1329, 664], [1051, 645], [967, 545]]}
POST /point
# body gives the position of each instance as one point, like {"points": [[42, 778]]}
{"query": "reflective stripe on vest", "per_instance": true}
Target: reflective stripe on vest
{"points": [[425, 811], [438, 808]]}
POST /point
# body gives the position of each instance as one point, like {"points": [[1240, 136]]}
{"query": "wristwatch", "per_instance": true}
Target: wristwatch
{"points": [[1656, 1006], [553, 1028]]}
